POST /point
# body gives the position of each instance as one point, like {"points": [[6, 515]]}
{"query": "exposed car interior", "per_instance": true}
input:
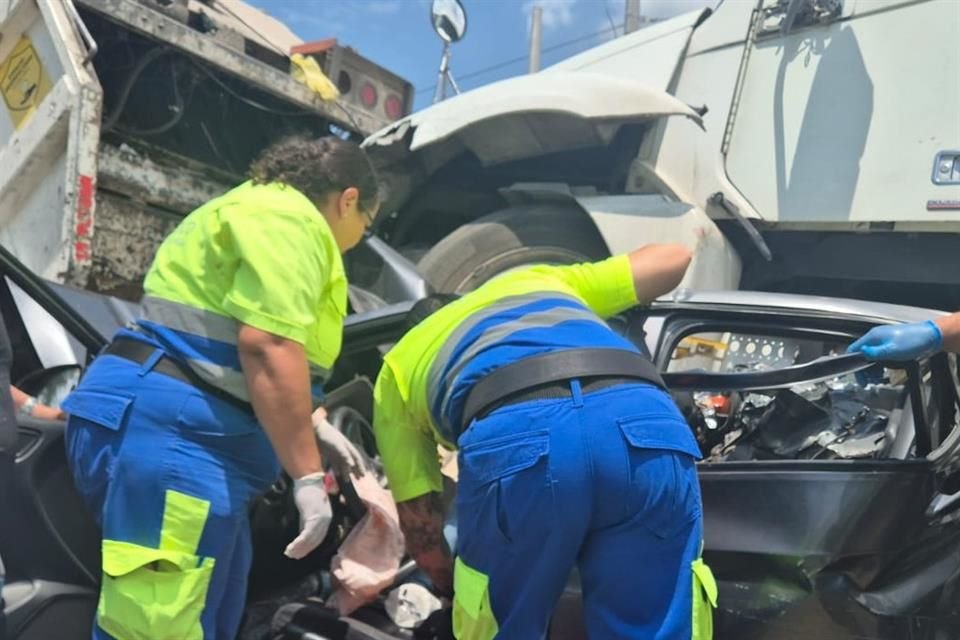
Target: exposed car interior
{"points": [[857, 415], [814, 411]]}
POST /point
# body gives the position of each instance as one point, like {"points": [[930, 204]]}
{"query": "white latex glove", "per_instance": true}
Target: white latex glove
{"points": [[315, 514], [336, 449]]}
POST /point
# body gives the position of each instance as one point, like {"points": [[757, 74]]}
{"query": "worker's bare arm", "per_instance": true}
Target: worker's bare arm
{"points": [[658, 269], [421, 520], [42, 411], [950, 328], [278, 380]]}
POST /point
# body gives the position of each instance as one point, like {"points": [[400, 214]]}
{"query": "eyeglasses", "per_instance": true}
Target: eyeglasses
{"points": [[367, 216]]}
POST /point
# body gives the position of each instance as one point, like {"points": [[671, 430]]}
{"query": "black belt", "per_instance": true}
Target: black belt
{"points": [[549, 375], [141, 352]]}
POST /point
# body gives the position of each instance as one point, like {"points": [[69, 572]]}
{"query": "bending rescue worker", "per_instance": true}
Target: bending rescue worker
{"points": [[181, 421], [570, 453]]}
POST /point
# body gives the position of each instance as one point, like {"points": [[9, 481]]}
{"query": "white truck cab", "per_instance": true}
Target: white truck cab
{"points": [[826, 160]]}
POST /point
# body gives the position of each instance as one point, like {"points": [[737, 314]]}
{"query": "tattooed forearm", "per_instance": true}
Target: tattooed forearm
{"points": [[421, 520]]}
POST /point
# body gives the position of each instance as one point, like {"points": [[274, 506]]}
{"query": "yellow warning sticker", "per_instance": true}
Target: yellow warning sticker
{"points": [[24, 82]]}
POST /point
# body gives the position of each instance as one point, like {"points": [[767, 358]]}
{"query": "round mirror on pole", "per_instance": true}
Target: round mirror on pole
{"points": [[449, 20]]}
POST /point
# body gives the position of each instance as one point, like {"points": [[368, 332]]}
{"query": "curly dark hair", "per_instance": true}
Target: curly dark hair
{"points": [[317, 166]]}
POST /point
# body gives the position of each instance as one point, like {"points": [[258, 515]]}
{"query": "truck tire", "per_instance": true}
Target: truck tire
{"points": [[504, 240]]}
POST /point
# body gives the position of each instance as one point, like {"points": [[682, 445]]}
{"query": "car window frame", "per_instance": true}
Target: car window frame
{"points": [[679, 324]]}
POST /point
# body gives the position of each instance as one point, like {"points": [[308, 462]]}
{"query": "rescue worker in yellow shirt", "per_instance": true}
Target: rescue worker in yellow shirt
{"points": [[570, 454], [183, 418]]}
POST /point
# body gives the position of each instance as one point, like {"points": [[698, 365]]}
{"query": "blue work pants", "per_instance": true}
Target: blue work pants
{"points": [[169, 472], [605, 482]]}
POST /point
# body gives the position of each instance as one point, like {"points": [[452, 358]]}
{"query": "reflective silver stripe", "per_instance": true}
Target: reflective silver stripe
{"points": [[446, 350], [235, 382], [212, 326], [548, 318], [230, 380], [205, 324], [187, 319], [545, 318]]}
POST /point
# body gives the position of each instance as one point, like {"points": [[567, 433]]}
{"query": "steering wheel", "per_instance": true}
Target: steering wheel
{"points": [[352, 424]]}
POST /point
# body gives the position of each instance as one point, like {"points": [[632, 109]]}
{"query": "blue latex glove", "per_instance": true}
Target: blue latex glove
{"points": [[900, 341]]}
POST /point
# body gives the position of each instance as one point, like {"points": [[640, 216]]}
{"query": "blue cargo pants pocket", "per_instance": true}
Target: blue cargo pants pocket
{"points": [[505, 488], [94, 423], [158, 593], [152, 594], [663, 488]]}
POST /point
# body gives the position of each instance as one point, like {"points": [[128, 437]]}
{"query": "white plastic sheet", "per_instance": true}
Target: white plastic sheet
{"points": [[368, 560]]}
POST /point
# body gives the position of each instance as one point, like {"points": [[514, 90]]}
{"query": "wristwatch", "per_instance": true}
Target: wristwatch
{"points": [[26, 409]]}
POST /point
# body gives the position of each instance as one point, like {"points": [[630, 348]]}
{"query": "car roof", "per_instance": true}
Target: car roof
{"points": [[820, 306], [849, 308], [106, 313]]}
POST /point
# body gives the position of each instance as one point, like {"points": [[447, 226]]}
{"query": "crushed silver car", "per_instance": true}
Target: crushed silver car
{"points": [[830, 484]]}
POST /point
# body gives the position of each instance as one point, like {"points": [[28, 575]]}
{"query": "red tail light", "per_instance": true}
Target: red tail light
{"points": [[393, 107], [368, 95]]}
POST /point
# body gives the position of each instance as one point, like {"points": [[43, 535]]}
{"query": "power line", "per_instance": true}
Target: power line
{"points": [[250, 101], [480, 72], [559, 45], [613, 24], [506, 63], [589, 36]]}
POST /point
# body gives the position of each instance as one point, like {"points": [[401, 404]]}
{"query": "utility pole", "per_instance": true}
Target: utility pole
{"points": [[631, 20], [536, 18]]}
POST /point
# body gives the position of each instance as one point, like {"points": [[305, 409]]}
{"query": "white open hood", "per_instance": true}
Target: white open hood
{"points": [[524, 117]]}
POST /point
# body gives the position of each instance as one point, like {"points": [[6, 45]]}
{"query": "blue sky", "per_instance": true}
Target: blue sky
{"points": [[397, 33]]}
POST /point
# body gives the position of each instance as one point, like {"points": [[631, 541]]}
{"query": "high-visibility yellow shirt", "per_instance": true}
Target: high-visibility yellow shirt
{"points": [[261, 255], [406, 431]]}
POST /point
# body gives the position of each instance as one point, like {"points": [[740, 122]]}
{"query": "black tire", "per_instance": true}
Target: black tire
{"points": [[498, 242]]}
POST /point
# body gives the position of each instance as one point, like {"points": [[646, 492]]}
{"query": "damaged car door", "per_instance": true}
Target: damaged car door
{"points": [[819, 476]]}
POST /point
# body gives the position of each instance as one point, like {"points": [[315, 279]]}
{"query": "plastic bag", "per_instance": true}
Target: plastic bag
{"points": [[368, 560], [305, 69]]}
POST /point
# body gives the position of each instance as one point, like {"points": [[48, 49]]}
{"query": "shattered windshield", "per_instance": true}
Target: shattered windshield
{"points": [[856, 415]]}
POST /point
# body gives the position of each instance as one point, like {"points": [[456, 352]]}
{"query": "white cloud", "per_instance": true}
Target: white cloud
{"points": [[556, 13]]}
